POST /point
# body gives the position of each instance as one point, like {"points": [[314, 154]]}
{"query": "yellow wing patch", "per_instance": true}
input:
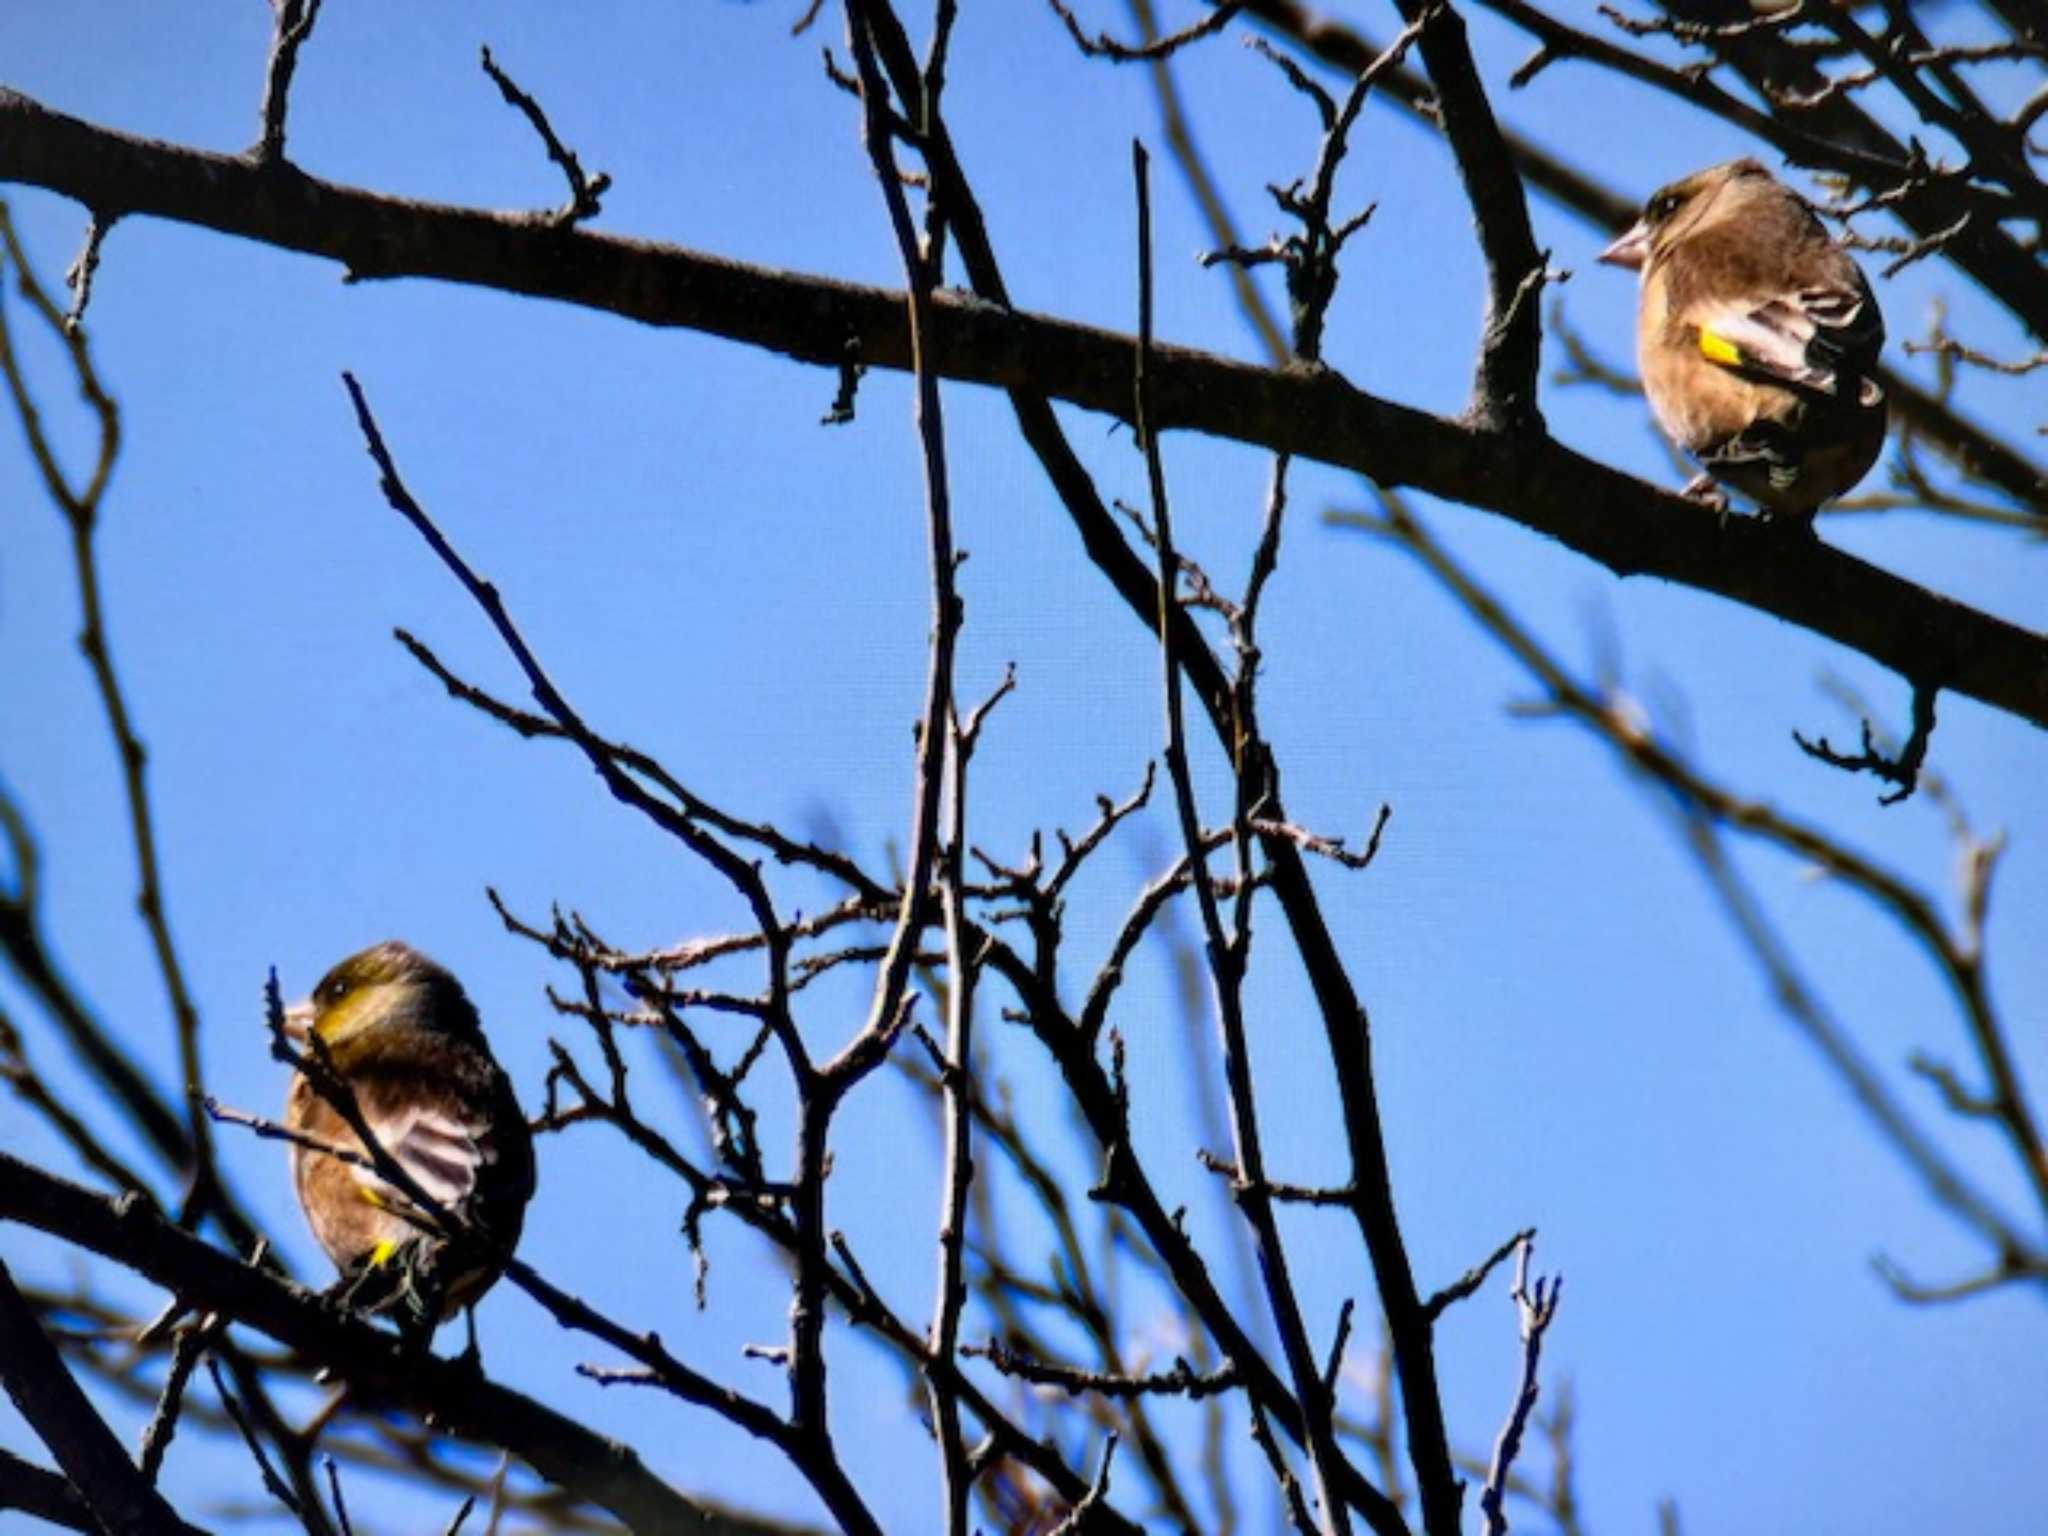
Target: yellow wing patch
{"points": [[381, 1254], [1717, 349], [369, 1196]]}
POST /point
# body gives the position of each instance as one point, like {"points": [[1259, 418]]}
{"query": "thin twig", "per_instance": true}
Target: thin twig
{"points": [[1182, 1381], [586, 193], [1226, 956], [956, 1080], [1156, 50], [1475, 1277], [276, 1485], [79, 275], [744, 876], [1957, 953], [1535, 1308], [1901, 768], [292, 24], [81, 506], [193, 1341]]}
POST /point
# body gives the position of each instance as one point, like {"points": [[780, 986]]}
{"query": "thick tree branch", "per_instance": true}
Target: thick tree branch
{"points": [[375, 1363], [42, 1493], [121, 1500], [1533, 480], [1504, 388]]}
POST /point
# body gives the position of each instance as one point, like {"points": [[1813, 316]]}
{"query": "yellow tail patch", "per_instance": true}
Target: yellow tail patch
{"points": [[1716, 349]]}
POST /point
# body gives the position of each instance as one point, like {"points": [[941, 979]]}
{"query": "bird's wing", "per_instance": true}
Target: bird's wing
{"points": [[442, 1148], [1823, 338]]}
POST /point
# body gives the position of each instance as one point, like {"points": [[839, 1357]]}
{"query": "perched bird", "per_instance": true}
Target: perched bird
{"points": [[398, 1031], [1757, 337]]}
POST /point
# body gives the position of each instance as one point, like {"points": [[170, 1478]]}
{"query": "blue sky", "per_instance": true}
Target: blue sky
{"points": [[1567, 1034]]}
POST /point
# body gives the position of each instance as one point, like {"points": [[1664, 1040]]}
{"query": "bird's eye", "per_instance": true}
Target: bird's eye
{"points": [[1662, 206], [332, 990]]}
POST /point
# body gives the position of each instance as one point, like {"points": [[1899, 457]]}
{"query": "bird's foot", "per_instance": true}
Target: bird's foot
{"points": [[1703, 489], [351, 1289]]}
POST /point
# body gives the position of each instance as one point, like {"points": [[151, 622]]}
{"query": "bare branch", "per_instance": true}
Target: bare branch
{"points": [[79, 275], [1504, 382], [272, 1482], [45, 1495], [1159, 49], [586, 193], [1536, 1307], [1226, 955], [743, 876], [1609, 516], [1958, 954], [1902, 769], [1298, 1515], [28, 1085], [192, 1342], [1475, 1277], [205, 1195], [1182, 1381], [963, 968], [1078, 1518], [293, 24], [1948, 346], [121, 1499]]}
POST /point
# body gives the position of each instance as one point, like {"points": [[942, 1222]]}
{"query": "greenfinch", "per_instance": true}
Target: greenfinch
{"points": [[398, 1030], [1758, 338]]}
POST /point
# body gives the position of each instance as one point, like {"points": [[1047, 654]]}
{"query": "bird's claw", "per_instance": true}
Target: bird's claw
{"points": [[1703, 489]]}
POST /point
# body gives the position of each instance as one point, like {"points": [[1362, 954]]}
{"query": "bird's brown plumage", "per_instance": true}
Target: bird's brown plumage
{"points": [[401, 1034], [1757, 336]]}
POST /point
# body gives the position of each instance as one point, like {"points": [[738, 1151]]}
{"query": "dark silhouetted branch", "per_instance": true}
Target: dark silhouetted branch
{"points": [[377, 1365], [121, 1500], [1608, 516]]}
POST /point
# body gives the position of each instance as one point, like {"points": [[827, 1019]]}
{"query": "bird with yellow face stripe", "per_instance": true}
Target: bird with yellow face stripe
{"points": [[1757, 336], [399, 1032]]}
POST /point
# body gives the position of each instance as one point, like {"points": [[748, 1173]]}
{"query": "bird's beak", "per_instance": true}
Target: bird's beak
{"points": [[298, 1021], [1631, 250]]}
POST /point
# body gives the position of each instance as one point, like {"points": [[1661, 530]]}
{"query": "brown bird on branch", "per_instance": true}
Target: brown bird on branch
{"points": [[1757, 336], [399, 1035]]}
